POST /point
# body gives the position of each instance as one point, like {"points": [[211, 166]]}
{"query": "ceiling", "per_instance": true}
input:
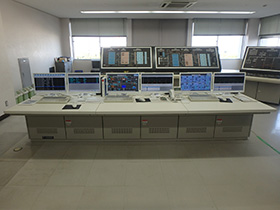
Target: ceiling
{"points": [[72, 8]]}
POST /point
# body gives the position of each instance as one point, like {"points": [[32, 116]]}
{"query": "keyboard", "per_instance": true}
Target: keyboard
{"points": [[54, 100], [196, 98], [118, 99]]}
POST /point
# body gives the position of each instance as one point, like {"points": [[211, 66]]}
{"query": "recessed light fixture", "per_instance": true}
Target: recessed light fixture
{"points": [[169, 12]]}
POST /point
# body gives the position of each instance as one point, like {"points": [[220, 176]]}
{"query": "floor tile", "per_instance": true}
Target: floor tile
{"points": [[63, 198], [144, 173], [148, 197], [8, 170], [35, 172], [102, 198], [244, 195], [115, 150], [28, 150], [71, 173], [142, 151], [218, 171], [107, 173], [189, 197], [173, 150], [18, 197], [81, 151], [179, 173], [52, 150]]}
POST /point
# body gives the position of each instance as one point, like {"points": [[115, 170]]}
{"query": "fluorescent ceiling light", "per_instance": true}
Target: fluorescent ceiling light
{"points": [[169, 12]]}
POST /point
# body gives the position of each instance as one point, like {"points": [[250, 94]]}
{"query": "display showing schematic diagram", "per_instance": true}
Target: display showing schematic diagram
{"points": [[187, 58], [126, 58], [262, 58]]}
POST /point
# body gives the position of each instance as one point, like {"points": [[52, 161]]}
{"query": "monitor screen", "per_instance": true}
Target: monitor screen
{"points": [[49, 82], [84, 82], [229, 82], [157, 82], [122, 82], [196, 81]]}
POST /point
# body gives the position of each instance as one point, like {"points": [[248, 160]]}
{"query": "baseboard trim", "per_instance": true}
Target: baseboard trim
{"points": [[4, 116]]}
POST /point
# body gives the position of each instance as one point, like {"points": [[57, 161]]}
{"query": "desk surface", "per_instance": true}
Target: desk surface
{"points": [[155, 107]]}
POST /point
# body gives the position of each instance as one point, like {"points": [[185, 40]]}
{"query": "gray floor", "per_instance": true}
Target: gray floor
{"points": [[216, 175]]}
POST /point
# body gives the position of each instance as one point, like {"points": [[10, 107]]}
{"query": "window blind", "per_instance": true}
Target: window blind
{"points": [[98, 27], [217, 27], [270, 26]]}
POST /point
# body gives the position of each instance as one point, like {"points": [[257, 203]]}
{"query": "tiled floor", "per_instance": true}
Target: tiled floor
{"points": [[206, 175]]}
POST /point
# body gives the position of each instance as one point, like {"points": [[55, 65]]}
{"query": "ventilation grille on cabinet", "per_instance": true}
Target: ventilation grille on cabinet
{"points": [[232, 129], [196, 130], [46, 130], [159, 130], [177, 5], [121, 130], [84, 131]]}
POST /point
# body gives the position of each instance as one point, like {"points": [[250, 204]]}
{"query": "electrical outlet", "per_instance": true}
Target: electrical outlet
{"points": [[6, 103]]}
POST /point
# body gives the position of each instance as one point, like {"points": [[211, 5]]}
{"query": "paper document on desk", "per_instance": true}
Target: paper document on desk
{"points": [[244, 99]]}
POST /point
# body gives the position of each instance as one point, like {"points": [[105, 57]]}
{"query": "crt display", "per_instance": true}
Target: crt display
{"points": [[229, 82], [196, 82], [49, 82], [157, 82], [122, 82], [84, 82]]}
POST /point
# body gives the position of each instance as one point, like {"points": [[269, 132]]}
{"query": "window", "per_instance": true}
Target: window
{"points": [[229, 46], [269, 41], [90, 47]]}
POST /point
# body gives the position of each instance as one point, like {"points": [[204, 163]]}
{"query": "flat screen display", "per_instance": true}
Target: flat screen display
{"points": [[122, 82], [84, 82], [49, 82], [196, 81], [229, 82], [156, 82]]}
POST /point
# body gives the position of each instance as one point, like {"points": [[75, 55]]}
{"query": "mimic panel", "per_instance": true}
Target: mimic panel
{"points": [[262, 59], [126, 58], [191, 58]]}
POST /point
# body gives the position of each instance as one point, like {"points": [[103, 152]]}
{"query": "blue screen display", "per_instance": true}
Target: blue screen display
{"points": [[196, 82]]}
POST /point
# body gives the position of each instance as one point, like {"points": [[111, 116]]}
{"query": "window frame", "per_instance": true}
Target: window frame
{"points": [[99, 41], [217, 44]]}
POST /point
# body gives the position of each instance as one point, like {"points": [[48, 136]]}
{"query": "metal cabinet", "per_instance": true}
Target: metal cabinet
{"points": [[83, 127], [46, 127], [156, 127], [121, 127], [196, 127], [233, 126]]}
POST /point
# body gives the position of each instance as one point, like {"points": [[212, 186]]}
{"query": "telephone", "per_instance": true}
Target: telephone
{"points": [[172, 94]]}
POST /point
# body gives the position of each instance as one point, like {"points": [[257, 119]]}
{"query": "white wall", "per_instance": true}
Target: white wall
{"points": [[6, 86], [31, 34]]}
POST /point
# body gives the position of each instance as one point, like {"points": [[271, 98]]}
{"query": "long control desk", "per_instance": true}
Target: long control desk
{"points": [[161, 118]]}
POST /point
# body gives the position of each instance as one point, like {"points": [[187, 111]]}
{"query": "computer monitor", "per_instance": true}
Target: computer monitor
{"points": [[84, 82], [196, 81], [49, 82], [156, 82], [229, 82], [122, 83]]}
